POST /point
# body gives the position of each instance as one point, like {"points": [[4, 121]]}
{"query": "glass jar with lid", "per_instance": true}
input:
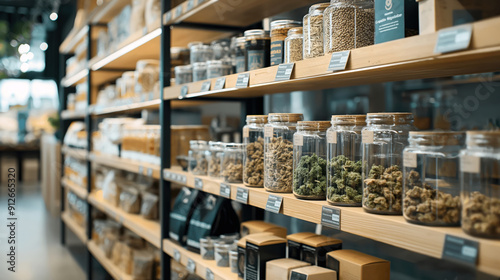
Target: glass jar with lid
{"points": [[257, 47], [232, 163], [313, 31], [431, 192], [344, 166], [218, 68], [309, 160], [253, 161], [278, 151], [199, 71], [147, 74], [279, 31], [384, 139], [183, 74], [293, 45], [201, 53], [240, 55], [480, 188], [198, 155], [221, 49], [216, 150]]}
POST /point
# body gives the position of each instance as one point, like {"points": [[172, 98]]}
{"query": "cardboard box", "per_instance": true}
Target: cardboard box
{"points": [[438, 14], [395, 19], [295, 242], [251, 227], [280, 269], [351, 264], [242, 245], [313, 273], [259, 250], [314, 249]]}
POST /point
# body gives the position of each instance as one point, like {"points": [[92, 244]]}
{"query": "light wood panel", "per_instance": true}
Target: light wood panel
{"points": [[107, 11], [126, 164], [392, 230], [75, 36], [112, 269], [77, 77], [129, 108], [80, 154], [80, 191], [74, 227], [72, 115]]}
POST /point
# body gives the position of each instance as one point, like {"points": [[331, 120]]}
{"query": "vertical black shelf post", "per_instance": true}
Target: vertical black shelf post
{"points": [[63, 126]]}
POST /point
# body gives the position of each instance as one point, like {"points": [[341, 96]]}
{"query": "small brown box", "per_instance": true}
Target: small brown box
{"points": [[242, 245], [314, 249], [351, 264], [251, 227], [259, 250], [280, 269], [295, 242], [313, 273]]}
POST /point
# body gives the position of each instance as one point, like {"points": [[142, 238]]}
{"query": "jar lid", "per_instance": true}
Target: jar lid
{"points": [[256, 32], [437, 138], [349, 120], [285, 117], [240, 40], [485, 139], [319, 6], [215, 145], [143, 62], [283, 23], [389, 118], [199, 65], [295, 31], [128, 74], [257, 119], [313, 125], [183, 68], [234, 146], [201, 47]]}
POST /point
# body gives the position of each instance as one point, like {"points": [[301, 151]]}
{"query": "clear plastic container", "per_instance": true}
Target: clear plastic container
{"points": [[253, 161], [309, 160], [479, 177], [278, 151], [384, 139], [183, 74], [222, 254], [199, 71], [218, 68], [431, 178], [201, 53], [240, 55], [233, 261], [207, 247], [313, 31], [344, 172], [147, 74], [293, 45], [232, 163], [198, 152], [279, 31], [216, 151], [221, 49], [257, 47]]}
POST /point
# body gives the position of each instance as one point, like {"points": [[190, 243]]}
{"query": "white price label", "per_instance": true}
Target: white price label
{"points": [[246, 132], [410, 159], [470, 164], [331, 137], [268, 131], [298, 139], [367, 136], [177, 255]]}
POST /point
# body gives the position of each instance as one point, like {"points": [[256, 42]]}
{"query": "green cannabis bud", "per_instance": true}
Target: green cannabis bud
{"points": [[345, 182], [309, 177]]}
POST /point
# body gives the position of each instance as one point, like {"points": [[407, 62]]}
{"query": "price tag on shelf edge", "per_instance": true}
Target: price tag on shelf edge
{"points": [[191, 266], [225, 190], [177, 255], [220, 83], [209, 275], [460, 250], [184, 92], [198, 183], [141, 170], [190, 5], [149, 172], [242, 195], [242, 81], [284, 72], [178, 11], [453, 39], [330, 217], [206, 86], [338, 61], [168, 17], [274, 203]]}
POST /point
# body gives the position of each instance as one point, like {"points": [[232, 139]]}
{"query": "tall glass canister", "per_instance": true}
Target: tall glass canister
{"points": [[198, 155], [253, 162], [232, 163], [313, 31], [214, 158]]}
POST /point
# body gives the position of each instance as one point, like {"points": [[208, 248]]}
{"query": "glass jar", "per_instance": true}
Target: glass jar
{"points": [[293, 45], [199, 71], [220, 49], [216, 150], [348, 24], [344, 172], [222, 254], [257, 47], [253, 161], [233, 261], [207, 247], [183, 74], [431, 178], [201, 53], [384, 139], [278, 151], [240, 55], [279, 31], [147, 74], [197, 152], [128, 84], [232, 163], [313, 31], [309, 160], [480, 191], [218, 68]]}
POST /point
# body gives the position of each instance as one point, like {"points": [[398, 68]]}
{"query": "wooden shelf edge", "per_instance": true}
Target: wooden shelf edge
{"points": [[75, 77], [81, 192], [70, 115], [149, 230], [133, 107], [220, 273], [143, 168], [74, 227], [392, 230], [75, 36], [114, 271], [80, 154]]}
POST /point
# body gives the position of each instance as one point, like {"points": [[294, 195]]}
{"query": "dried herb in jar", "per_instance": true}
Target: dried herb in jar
{"points": [[233, 171], [346, 184], [253, 174], [214, 166], [481, 215], [384, 188], [309, 177], [279, 161]]}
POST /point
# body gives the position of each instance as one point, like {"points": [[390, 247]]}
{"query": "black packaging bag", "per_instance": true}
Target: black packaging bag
{"points": [[184, 206], [213, 216]]}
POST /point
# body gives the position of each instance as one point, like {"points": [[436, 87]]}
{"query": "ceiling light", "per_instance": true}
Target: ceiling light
{"points": [[25, 67], [44, 46], [53, 16], [23, 58], [24, 48]]}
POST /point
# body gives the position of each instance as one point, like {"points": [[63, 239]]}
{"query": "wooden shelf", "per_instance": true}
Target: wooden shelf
{"points": [[129, 108], [80, 191], [72, 115], [74, 227], [405, 59], [392, 230], [143, 168], [112, 269], [220, 273], [147, 229], [108, 10], [75, 78], [75, 36], [80, 154]]}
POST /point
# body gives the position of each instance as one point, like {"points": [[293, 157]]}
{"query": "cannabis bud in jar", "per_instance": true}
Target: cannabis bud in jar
{"points": [[346, 184], [232, 163], [215, 158], [309, 177], [253, 160], [383, 189], [198, 154]]}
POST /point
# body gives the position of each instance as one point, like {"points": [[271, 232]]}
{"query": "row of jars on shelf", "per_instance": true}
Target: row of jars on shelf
{"points": [[378, 161]]}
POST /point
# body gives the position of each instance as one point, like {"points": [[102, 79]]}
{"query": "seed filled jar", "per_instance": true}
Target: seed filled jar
{"points": [[253, 161], [431, 185], [384, 139], [293, 45], [201, 53], [218, 68], [279, 31], [480, 191], [240, 55], [313, 31], [344, 167], [278, 151], [198, 153], [257, 46], [183, 74], [309, 160], [216, 150], [232, 163], [199, 71]]}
